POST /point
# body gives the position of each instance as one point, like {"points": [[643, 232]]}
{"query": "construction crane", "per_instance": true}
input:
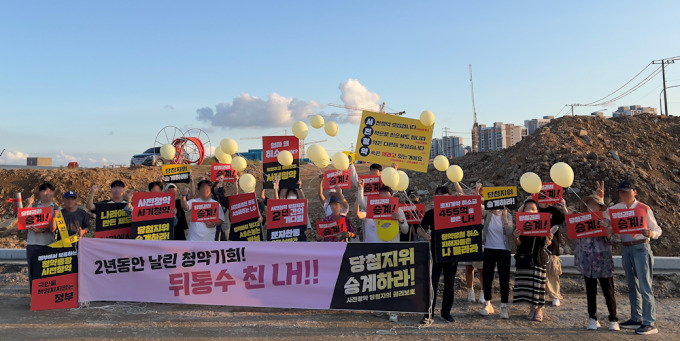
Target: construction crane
{"points": [[303, 150], [475, 127], [381, 109]]}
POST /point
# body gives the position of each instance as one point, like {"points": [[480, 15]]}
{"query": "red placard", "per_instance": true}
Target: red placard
{"points": [[224, 170], [36, 217], [456, 211], [242, 207], [55, 292], [152, 206], [286, 213], [336, 179], [381, 207], [585, 225], [272, 145], [205, 212], [629, 220], [372, 184], [533, 224], [414, 212], [330, 229], [551, 193]]}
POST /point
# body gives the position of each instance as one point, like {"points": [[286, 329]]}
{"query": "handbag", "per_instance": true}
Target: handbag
{"points": [[527, 260]]}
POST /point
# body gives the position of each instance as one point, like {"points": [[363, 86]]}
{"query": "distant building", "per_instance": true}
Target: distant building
{"points": [[450, 146], [633, 110], [39, 161], [597, 114], [499, 136], [537, 123], [253, 154]]}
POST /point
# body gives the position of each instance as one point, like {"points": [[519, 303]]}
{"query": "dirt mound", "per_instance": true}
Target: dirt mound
{"points": [[644, 149]]}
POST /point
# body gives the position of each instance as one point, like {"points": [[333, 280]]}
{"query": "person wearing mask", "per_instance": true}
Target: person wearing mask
{"points": [[336, 207], [370, 227], [447, 268], [202, 231], [593, 259], [530, 276], [638, 263], [554, 266], [496, 238], [38, 239], [117, 195]]}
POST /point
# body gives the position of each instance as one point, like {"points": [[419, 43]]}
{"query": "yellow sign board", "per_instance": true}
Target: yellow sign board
{"points": [[350, 156], [387, 139], [175, 169], [66, 240], [492, 193]]}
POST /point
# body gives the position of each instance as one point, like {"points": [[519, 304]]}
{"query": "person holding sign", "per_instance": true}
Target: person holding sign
{"points": [[337, 207], [381, 231], [76, 219], [373, 170], [199, 230], [332, 193], [117, 195], [180, 216], [593, 259], [530, 261], [39, 238], [554, 265], [636, 256], [496, 236]]}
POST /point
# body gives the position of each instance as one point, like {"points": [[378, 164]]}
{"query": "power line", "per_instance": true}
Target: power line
{"points": [[622, 86]]}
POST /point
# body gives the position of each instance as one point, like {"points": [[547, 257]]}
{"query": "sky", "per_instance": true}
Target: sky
{"points": [[95, 81]]}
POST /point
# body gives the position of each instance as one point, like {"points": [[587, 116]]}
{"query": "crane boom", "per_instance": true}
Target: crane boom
{"points": [[475, 137]]}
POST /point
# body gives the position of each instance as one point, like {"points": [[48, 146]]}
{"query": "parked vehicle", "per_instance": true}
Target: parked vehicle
{"points": [[150, 157]]}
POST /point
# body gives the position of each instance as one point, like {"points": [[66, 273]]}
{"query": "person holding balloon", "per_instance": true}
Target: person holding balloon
{"points": [[530, 260]]}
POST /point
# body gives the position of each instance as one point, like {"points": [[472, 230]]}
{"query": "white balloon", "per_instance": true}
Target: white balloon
{"points": [[229, 146], [389, 177], [340, 161], [402, 185], [239, 163]]}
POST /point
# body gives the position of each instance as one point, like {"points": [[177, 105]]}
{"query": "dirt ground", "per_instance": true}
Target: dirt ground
{"points": [[121, 320]]}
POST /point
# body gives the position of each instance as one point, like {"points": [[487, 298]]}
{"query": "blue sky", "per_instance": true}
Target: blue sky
{"points": [[95, 81]]}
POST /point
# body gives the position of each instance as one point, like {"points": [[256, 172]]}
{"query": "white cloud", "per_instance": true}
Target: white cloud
{"points": [[355, 94], [65, 157], [251, 111], [91, 160], [17, 156], [104, 160]]}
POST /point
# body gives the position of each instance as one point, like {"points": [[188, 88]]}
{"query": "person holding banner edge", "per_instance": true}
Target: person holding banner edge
{"points": [[638, 263], [530, 273], [593, 259]]}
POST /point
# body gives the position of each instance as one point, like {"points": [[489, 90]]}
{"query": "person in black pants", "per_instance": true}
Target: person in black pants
{"points": [[497, 233], [448, 268]]}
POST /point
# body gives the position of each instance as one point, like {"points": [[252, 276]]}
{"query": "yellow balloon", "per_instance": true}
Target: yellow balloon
{"points": [[316, 121], [300, 130], [331, 128], [239, 163], [226, 159], [427, 118], [315, 152], [229, 146], [387, 229], [285, 158], [168, 151], [530, 182], [390, 177], [247, 183], [403, 181], [221, 156], [340, 161], [562, 174], [323, 162], [454, 173], [441, 163]]}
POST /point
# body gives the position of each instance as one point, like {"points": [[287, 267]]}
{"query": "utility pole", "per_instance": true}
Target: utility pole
{"points": [[663, 63]]}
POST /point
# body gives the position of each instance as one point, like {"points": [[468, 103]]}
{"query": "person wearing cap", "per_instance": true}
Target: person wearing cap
{"points": [[37, 239], [202, 231], [117, 195], [332, 193], [638, 263], [593, 259], [336, 206], [77, 220], [181, 219], [370, 228]]}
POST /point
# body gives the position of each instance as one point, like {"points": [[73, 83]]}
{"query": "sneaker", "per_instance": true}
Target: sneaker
{"points": [[394, 317], [448, 318], [593, 324], [471, 296], [613, 325], [426, 320], [504, 313], [487, 310], [556, 303], [630, 324], [481, 299], [646, 330]]}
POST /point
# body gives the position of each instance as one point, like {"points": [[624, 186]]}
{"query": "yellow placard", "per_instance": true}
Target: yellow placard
{"points": [[387, 139], [387, 229], [492, 193], [350, 155], [175, 169]]}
